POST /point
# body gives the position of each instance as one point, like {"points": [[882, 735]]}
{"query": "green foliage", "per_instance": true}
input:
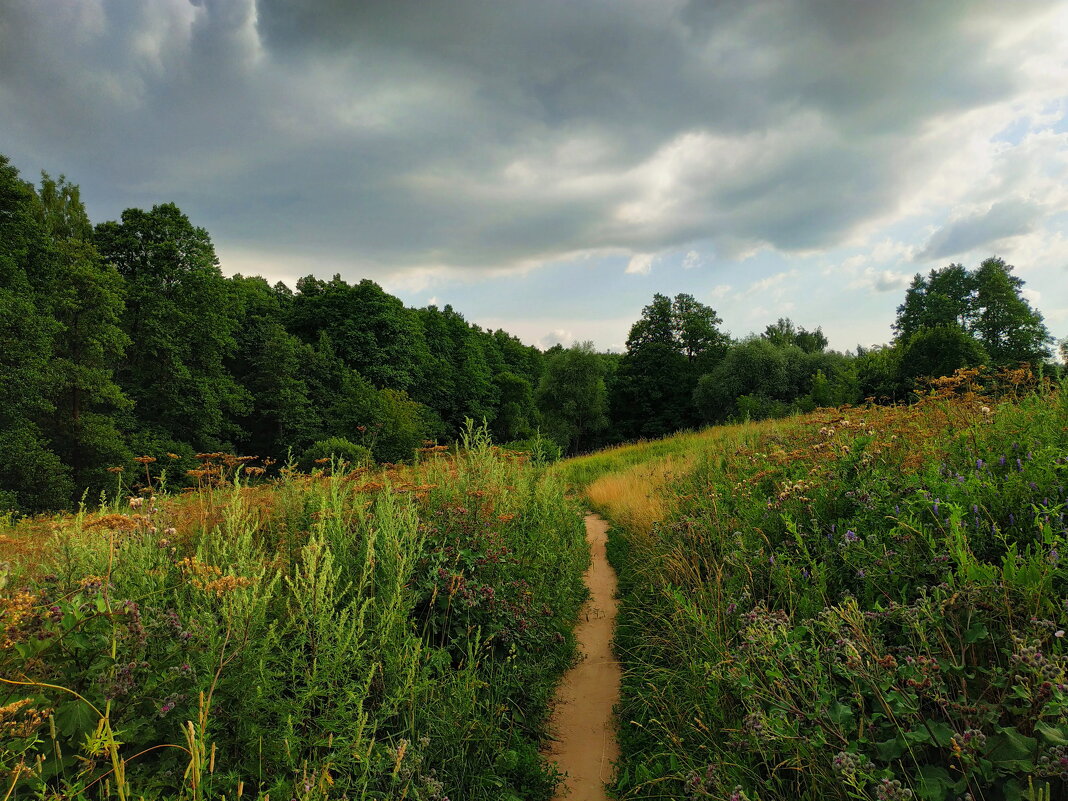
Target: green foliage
{"points": [[336, 451], [85, 297], [572, 396], [518, 414], [403, 428], [371, 330], [755, 369], [784, 333], [320, 639], [668, 349], [181, 316], [540, 450], [32, 476], [859, 604], [940, 351], [1010, 330], [986, 303]]}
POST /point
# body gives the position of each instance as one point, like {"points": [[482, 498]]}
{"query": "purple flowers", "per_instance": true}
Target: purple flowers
{"points": [[850, 536]]}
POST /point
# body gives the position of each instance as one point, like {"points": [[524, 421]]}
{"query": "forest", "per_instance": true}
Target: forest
{"points": [[125, 344]]}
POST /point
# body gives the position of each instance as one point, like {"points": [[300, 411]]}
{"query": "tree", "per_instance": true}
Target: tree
{"points": [[783, 333], [1010, 330], [271, 365], [85, 296], [404, 426], [673, 343], [755, 369], [940, 351], [371, 330], [181, 316], [944, 297], [986, 304], [572, 397], [32, 477], [517, 414]]}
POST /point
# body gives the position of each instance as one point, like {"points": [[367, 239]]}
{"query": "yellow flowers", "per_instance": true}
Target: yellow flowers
{"points": [[210, 578]]}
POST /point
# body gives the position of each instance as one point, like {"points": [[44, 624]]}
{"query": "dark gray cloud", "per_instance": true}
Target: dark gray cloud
{"points": [[478, 134], [1003, 219]]}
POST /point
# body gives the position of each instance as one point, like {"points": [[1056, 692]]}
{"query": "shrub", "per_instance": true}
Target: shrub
{"points": [[335, 450]]}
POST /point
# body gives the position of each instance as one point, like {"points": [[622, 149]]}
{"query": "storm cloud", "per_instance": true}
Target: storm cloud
{"points": [[477, 137]]}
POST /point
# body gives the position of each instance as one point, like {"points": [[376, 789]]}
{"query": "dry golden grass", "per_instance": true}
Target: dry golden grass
{"points": [[635, 485], [638, 497]]}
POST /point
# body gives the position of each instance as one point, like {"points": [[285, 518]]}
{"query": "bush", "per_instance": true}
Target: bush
{"points": [[540, 450], [34, 478], [335, 450]]}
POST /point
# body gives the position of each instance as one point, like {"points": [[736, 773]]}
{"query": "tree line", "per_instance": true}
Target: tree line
{"points": [[125, 339]]}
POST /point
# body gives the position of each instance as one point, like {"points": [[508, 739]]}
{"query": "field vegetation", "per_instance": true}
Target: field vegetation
{"points": [[348, 633], [867, 603]]}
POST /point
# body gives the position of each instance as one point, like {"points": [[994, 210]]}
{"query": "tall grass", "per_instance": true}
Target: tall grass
{"points": [[355, 635], [863, 604]]}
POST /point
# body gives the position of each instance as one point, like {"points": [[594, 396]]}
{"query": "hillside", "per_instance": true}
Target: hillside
{"points": [[866, 603]]}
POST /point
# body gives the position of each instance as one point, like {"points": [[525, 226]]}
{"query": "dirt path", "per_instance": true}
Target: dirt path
{"points": [[583, 726]]}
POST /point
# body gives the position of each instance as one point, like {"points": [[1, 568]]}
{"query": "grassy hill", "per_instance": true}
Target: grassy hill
{"points": [[866, 603]]}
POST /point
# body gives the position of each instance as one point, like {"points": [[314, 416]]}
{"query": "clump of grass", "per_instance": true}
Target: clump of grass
{"points": [[357, 634], [858, 604]]}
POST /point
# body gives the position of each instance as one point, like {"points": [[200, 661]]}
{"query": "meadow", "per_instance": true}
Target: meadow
{"points": [[863, 603], [391, 634]]}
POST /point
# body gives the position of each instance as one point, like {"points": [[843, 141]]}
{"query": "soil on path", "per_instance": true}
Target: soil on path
{"points": [[583, 725]]}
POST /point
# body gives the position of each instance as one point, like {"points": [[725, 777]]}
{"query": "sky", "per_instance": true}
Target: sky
{"points": [[546, 166]]}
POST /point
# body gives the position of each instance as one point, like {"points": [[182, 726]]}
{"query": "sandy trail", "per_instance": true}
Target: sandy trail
{"points": [[582, 723]]}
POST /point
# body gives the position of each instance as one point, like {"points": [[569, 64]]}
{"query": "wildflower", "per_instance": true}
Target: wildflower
{"points": [[135, 503], [850, 536], [979, 464], [892, 790]]}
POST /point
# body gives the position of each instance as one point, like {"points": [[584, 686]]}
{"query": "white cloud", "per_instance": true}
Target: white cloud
{"points": [[719, 291], [772, 282], [640, 264]]}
